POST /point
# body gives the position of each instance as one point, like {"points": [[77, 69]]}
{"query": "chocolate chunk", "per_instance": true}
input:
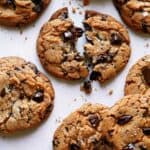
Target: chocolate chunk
{"points": [[87, 27], [11, 2], [106, 58], [67, 36], [144, 27], [94, 120], [78, 32], [146, 74], [38, 5], [64, 15], [22, 95], [89, 40], [124, 119], [146, 131], [3, 92], [87, 87], [95, 75], [38, 96], [116, 39], [56, 142], [74, 147], [129, 147]]}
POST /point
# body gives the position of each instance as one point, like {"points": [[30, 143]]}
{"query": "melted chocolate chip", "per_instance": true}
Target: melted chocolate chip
{"points": [[129, 147], [38, 96], [116, 39], [94, 120], [3, 92], [106, 58], [74, 147], [146, 74], [87, 27], [87, 87], [38, 5], [124, 119], [95, 75], [146, 131]]}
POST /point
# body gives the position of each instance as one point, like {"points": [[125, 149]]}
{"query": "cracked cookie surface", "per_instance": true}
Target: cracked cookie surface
{"points": [[26, 95], [107, 47], [138, 79], [20, 12], [129, 124], [135, 13], [82, 130], [56, 47]]}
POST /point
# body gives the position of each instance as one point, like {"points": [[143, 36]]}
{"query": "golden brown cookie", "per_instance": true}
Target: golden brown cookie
{"points": [[20, 12], [128, 127], [138, 79], [81, 130], [135, 13], [26, 95]]}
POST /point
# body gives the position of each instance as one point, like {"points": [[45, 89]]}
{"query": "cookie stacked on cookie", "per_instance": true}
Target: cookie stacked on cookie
{"points": [[125, 126]]}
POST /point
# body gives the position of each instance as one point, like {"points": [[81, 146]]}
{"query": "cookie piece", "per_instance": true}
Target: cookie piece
{"points": [[20, 12], [129, 124], [82, 130], [26, 95], [107, 47], [56, 47], [135, 13], [138, 79]]}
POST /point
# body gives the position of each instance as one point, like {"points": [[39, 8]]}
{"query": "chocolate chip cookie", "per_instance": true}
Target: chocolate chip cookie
{"points": [[20, 12], [135, 13], [107, 47], [82, 130], [138, 79], [56, 47], [26, 95], [129, 124]]}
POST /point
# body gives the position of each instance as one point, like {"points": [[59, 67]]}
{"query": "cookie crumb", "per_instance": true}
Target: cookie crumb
{"points": [[110, 92], [86, 87], [73, 10]]}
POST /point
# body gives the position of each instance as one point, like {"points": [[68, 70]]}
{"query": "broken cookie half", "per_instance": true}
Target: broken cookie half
{"points": [[108, 45], [56, 46]]}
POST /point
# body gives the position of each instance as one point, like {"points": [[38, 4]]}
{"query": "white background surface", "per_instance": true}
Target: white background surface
{"points": [[68, 95]]}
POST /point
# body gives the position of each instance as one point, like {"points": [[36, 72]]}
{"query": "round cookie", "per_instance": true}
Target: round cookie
{"points": [[128, 127], [135, 13], [56, 47], [82, 130], [20, 12], [107, 47], [26, 95], [138, 79]]}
